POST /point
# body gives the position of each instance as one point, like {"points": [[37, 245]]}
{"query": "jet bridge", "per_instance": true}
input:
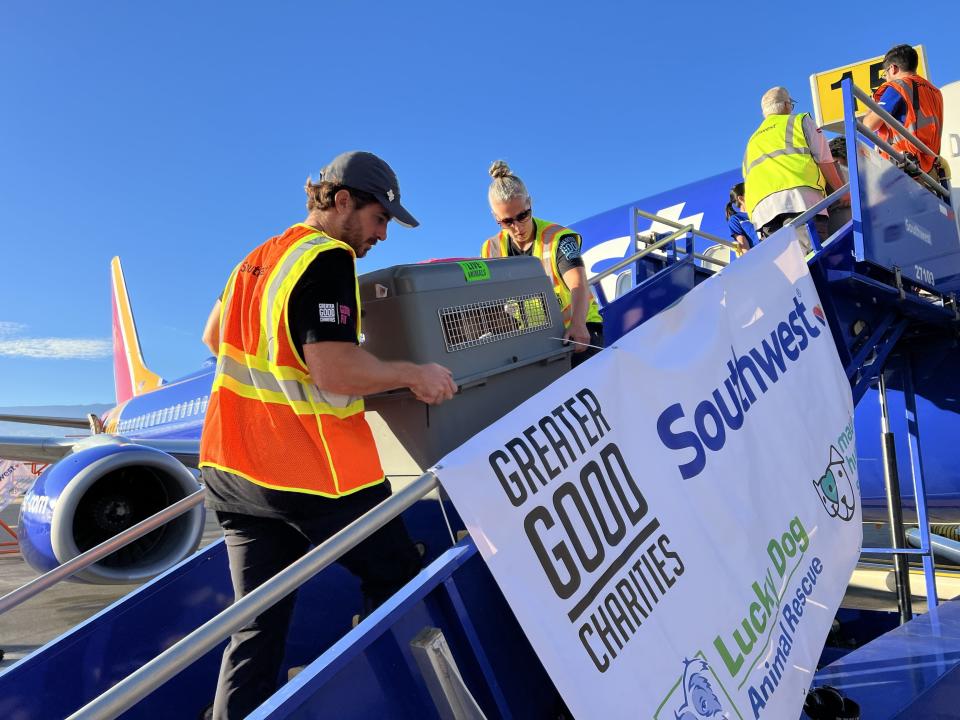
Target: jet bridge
{"points": [[447, 645]]}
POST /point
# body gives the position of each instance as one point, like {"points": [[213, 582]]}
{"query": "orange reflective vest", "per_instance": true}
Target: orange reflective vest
{"points": [[267, 421], [924, 118], [545, 248]]}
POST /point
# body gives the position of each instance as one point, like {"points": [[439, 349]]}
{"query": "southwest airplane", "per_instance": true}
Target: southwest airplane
{"points": [[135, 461]]}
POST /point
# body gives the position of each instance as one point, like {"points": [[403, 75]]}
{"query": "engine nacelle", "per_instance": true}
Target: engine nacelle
{"points": [[96, 492]]}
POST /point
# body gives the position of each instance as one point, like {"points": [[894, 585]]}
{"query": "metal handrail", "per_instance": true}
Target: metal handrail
{"points": [[672, 237], [927, 180], [808, 215], [880, 142], [98, 552], [138, 685], [727, 244], [708, 259], [890, 120], [675, 224]]}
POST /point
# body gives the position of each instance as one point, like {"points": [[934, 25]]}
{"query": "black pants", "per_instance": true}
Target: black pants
{"points": [[596, 338], [260, 547], [820, 222]]}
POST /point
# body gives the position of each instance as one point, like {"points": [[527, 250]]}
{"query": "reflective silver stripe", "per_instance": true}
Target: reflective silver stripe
{"points": [[291, 389], [923, 121], [907, 88], [789, 147], [920, 120], [777, 153], [496, 246], [276, 280], [791, 121], [262, 380]]}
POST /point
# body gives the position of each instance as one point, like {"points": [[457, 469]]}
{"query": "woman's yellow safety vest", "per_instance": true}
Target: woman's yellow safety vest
{"points": [[267, 421], [545, 248], [778, 158]]}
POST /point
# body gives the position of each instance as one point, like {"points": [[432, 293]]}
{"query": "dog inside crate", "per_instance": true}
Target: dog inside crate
{"points": [[477, 323]]}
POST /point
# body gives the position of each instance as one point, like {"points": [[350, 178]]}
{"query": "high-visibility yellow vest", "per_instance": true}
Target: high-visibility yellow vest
{"points": [[545, 248], [266, 420], [778, 158]]}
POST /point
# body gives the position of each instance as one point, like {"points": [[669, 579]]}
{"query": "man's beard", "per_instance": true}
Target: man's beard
{"points": [[353, 235]]}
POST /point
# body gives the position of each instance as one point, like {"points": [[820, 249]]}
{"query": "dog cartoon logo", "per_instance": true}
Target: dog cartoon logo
{"points": [[835, 489], [699, 699]]}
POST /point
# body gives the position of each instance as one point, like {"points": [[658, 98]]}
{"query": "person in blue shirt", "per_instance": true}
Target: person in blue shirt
{"points": [[741, 229]]}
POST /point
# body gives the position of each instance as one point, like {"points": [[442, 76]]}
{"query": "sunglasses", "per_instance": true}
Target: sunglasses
{"points": [[519, 218]]}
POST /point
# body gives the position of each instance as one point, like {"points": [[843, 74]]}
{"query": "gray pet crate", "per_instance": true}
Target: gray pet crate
{"points": [[494, 323]]}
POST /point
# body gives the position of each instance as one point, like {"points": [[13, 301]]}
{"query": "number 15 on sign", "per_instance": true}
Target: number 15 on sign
{"points": [[866, 75]]}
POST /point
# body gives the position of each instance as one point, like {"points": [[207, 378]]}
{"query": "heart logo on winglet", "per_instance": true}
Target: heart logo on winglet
{"points": [[818, 314]]}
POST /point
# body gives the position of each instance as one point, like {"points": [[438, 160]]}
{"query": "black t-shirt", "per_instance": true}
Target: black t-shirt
{"points": [[323, 304], [567, 252], [322, 307]]}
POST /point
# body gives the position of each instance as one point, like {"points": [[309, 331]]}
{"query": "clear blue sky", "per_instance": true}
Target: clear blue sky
{"points": [[178, 135]]}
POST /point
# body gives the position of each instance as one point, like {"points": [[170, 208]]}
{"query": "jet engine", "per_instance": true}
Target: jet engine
{"points": [[98, 491]]}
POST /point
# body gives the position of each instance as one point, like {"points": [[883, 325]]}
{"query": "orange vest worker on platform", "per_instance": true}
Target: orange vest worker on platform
{"points": [[911, 99]]}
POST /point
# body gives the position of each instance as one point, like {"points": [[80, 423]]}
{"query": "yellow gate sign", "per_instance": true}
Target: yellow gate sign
{"points": [[825, 87]]}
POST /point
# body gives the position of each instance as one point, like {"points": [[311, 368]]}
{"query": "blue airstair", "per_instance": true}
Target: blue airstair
{"points": [[447, 645]]}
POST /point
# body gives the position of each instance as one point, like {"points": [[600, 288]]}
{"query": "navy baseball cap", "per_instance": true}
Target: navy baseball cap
{"points": [[366, 172]]}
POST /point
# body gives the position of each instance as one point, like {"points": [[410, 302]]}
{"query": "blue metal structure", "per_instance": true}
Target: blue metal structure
{"points": [[76, 667], [913, 671], [455, 594]]}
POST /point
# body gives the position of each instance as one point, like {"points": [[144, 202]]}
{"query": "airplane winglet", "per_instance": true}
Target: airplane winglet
{"points": [[130, 374]]}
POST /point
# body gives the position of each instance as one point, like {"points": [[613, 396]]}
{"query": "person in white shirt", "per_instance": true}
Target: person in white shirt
{"points": [[786, 173]]}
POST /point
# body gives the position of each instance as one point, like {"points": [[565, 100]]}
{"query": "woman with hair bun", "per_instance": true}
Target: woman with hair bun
{"points": [[741, 229], [558, 249]]}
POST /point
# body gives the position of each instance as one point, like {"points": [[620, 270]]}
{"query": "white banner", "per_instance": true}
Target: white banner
{"points": [[674, 522]]}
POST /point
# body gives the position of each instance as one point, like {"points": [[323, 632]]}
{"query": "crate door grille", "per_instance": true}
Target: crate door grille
{"points": [[479, 323]]}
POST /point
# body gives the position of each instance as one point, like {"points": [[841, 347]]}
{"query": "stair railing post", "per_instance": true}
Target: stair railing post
{"points": [[919, 484], [894, 509]]}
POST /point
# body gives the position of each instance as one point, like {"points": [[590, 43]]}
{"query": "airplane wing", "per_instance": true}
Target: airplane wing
{"points": [[48, 450], [47, 420], [186, 451], [35, 449]]}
